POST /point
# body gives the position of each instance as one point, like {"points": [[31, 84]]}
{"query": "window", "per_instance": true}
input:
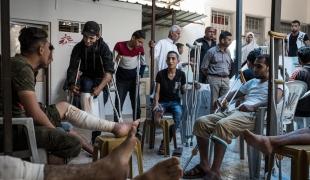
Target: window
{"points": [[255, 25], [68, 26], [221, 22]]}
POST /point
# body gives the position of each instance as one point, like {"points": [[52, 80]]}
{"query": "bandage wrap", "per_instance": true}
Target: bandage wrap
{"points": [[82, 119], [14, 168]]}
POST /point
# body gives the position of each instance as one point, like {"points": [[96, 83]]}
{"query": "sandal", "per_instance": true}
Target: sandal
{"points": [[194, 173], [161, 150], [177, 152]]}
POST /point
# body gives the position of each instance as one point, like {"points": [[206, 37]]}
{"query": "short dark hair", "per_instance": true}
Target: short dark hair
{"points": [[91, 28], [224, 34], [303, 54], [254, 54], [30, 39], [296, 22], [51, 47], [266, 57], [173, 52], [179, 45], [208, 28], [139, 34]]}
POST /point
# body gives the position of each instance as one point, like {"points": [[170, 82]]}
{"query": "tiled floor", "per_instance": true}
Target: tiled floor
{"points": [[232, 167]]}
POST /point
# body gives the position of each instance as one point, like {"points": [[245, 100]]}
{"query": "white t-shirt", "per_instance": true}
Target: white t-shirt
{"points": [[256, 92]]}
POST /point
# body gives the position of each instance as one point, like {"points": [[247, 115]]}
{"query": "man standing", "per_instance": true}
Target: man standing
{"points": [[216, 66], [126, 74], [93, 59], [163, 46], [296, 39], [208, 41]]}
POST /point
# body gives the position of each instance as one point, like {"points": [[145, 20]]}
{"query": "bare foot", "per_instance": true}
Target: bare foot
{"points": [[211, 175], [120, 156], [259, 142], [55, 160], [113, 166], [122, 129], [169, 169]]}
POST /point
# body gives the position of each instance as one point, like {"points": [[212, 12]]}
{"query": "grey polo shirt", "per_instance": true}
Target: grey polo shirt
{"points": [[217, 62]]}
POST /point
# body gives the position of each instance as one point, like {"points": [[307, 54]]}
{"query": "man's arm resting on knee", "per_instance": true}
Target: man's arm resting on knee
{"points": [[29, 101]]}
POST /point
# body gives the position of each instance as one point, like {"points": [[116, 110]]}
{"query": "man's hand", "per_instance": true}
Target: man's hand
{"points": [[247, 108], [222, 104], [96, 91], [152, 44], [75, 89], [197, 85]]}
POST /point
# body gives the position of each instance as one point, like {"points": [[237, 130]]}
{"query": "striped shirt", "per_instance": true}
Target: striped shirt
{"points": [[129, 61]]}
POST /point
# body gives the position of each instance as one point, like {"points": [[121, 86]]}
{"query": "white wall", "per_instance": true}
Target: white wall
{"points": [[118, 21], [296, 9]]}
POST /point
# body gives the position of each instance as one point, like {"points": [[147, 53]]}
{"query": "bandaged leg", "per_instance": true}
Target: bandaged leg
{"points": [[85, 120], [14, 168]]}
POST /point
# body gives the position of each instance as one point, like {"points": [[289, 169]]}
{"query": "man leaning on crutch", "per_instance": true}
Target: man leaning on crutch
{"points": [[130, 56]]}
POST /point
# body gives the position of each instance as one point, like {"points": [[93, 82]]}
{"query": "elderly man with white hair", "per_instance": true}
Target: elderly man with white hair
{"points": [[163, 46]]}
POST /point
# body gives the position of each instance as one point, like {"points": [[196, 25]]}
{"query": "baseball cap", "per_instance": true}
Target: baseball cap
{"points": [[91, 28]]}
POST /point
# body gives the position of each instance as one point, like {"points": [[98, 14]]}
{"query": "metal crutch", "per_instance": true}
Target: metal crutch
{"points": [[273, 36], [75, 82], [137, 88]]}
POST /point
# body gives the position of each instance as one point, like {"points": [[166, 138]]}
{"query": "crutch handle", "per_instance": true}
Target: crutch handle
{"points": [[277, 35], [242, 78], [279, 81]]}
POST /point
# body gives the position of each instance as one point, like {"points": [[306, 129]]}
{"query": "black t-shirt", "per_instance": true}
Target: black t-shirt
{"points": [[170, 89], [292, 51]]}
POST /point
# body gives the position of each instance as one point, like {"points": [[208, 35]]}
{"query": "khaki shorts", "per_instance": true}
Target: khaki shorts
{"points": [[226, 125]]}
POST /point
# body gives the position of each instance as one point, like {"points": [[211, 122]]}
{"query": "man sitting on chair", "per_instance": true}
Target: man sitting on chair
{"points": [[303, 74], [170, 82], [222, 127], [35, 54]]}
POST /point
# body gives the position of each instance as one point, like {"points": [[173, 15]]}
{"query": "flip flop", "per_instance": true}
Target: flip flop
{"points": [[194, 173], [177, 152], [161, 150]]}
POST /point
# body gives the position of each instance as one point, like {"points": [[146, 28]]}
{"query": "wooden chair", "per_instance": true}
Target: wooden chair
{"points": [[104, 144], [300, 155], [149, 128]]}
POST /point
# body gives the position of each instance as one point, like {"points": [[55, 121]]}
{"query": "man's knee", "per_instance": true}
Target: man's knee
{"points": [[63, 105], [72, 146], [201, 127], [222, 131], [58, 142]]}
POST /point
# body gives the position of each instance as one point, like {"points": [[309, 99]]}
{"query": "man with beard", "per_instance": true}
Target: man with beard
{"points": [[207, 42], [222, 127], [92, 59], [296, 39], [35, 54], [216, 66]]}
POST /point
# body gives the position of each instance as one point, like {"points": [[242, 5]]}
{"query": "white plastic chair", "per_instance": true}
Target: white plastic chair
{"points": [[32, 144]]}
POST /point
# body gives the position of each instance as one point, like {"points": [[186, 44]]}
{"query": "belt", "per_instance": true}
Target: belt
{"points": [[217, 75]]}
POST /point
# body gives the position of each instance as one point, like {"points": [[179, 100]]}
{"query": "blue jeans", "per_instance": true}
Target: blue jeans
{"points": [[175, 108]]}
